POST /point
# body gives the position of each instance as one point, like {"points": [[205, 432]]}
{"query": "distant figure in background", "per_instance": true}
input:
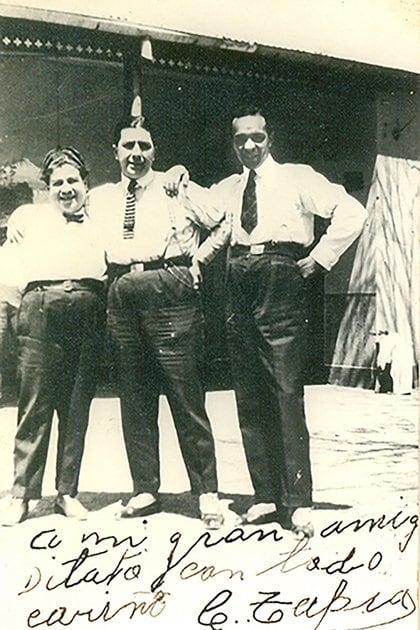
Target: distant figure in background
{"points": [[395, 363], [60, 330]]}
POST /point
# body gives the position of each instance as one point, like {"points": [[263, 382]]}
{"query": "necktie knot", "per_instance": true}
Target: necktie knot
{"points": [[132, 186], [249, 214]]}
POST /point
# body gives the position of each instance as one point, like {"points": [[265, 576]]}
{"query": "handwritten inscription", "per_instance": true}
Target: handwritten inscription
{"points": [[276, 607], [153, 605], [396, 521], [248, 575]]}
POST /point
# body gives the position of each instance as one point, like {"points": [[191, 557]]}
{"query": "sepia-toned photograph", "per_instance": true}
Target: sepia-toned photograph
{"points": [[209, 314]]}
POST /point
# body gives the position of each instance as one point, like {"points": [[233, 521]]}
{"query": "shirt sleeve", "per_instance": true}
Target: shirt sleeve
{"points": [[207, 209], [331, 201], [99, 211], [12, 272], [217, 239], [95, 204], [18, 222], [203, 204]]}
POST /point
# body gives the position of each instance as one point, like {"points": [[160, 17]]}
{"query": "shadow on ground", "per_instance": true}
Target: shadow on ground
{"points": [[183, 503]]}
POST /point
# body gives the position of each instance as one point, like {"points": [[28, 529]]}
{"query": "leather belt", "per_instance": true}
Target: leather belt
{"points": [[161, 263], [84, 284], [116, 270], [294, 250]]}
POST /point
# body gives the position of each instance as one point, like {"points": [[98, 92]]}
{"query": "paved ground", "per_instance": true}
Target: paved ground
{"points": [[364, 456], [363, 445]]}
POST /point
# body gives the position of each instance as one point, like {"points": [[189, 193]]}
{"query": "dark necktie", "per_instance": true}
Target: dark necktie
{"points": [[249, 216], [130, 210]]}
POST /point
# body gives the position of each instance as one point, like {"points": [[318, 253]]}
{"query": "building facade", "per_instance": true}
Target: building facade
{"points": [[67, 82]]}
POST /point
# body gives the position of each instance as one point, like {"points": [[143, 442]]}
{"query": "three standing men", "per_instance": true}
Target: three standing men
{"points": [[154, 311], [270, 210], [155, 318]]}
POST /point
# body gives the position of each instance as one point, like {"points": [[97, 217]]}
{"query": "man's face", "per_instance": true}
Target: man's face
{"points": [[135, 152], [251, 140], [67, 188]]}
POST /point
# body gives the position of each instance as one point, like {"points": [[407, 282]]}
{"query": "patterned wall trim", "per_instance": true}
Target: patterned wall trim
{"points": [[208, 68], [21, 37], [50, 45], [75, 45], [25, 37]]}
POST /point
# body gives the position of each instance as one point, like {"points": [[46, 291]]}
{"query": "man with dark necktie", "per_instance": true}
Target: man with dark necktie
{"points": [[270, 210], [155, 319]]}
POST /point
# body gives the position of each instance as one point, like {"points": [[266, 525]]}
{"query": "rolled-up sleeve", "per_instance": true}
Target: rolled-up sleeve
{"points": [[331, 201], [204, 205], [217, 239], [207, 210]]}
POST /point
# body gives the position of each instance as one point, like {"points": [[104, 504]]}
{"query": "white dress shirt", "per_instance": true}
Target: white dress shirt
{"points": [[164, 226], [288, 198], [53, 248], [10, 275]]}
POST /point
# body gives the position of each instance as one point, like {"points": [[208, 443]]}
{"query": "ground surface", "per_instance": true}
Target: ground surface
{"points": [[364, 457]]}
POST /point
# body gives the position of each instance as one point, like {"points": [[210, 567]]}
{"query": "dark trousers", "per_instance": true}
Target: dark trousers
{"points": [[59, 342], [384, 379], [7, 334], [156, 324], [265, 336]]}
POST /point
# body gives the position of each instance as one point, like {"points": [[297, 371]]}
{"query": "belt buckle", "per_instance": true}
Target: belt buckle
{"points": [[256, 250], [68, 285], [138, 266]]}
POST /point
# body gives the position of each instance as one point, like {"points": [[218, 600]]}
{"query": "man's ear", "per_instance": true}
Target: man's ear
{"points": [[270, 139]]}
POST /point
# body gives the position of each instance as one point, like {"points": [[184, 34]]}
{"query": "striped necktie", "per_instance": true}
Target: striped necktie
{"points": [[130, 210], [249, 216]]}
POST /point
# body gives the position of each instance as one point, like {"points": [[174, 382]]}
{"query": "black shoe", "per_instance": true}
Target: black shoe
{"points": [[271, 517]]}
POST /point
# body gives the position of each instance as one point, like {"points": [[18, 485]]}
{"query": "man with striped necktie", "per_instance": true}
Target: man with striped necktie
{"points": [[155, 319]]}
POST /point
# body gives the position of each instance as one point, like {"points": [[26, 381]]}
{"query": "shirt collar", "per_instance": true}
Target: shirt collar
{"points": [[261, 170], [142, 182]]}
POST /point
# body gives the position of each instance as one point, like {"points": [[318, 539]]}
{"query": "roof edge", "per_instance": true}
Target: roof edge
{"points": [[120, 26]]}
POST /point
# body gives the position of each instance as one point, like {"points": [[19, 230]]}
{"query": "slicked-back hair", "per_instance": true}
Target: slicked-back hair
{"points": [[60, 156], [252, 110], [127, 123]]}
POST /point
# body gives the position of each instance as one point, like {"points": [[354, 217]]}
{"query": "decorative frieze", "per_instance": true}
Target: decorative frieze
{"points": [[59, 45], [33, 38]]}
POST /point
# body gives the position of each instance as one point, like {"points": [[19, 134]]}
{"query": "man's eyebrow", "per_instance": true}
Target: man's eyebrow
{"points": [[251, 134], [146, 143]]}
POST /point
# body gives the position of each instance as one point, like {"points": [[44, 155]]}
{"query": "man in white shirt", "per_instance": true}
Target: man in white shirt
{"points": [[155, 318], [59, 260], [269, 228]]}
